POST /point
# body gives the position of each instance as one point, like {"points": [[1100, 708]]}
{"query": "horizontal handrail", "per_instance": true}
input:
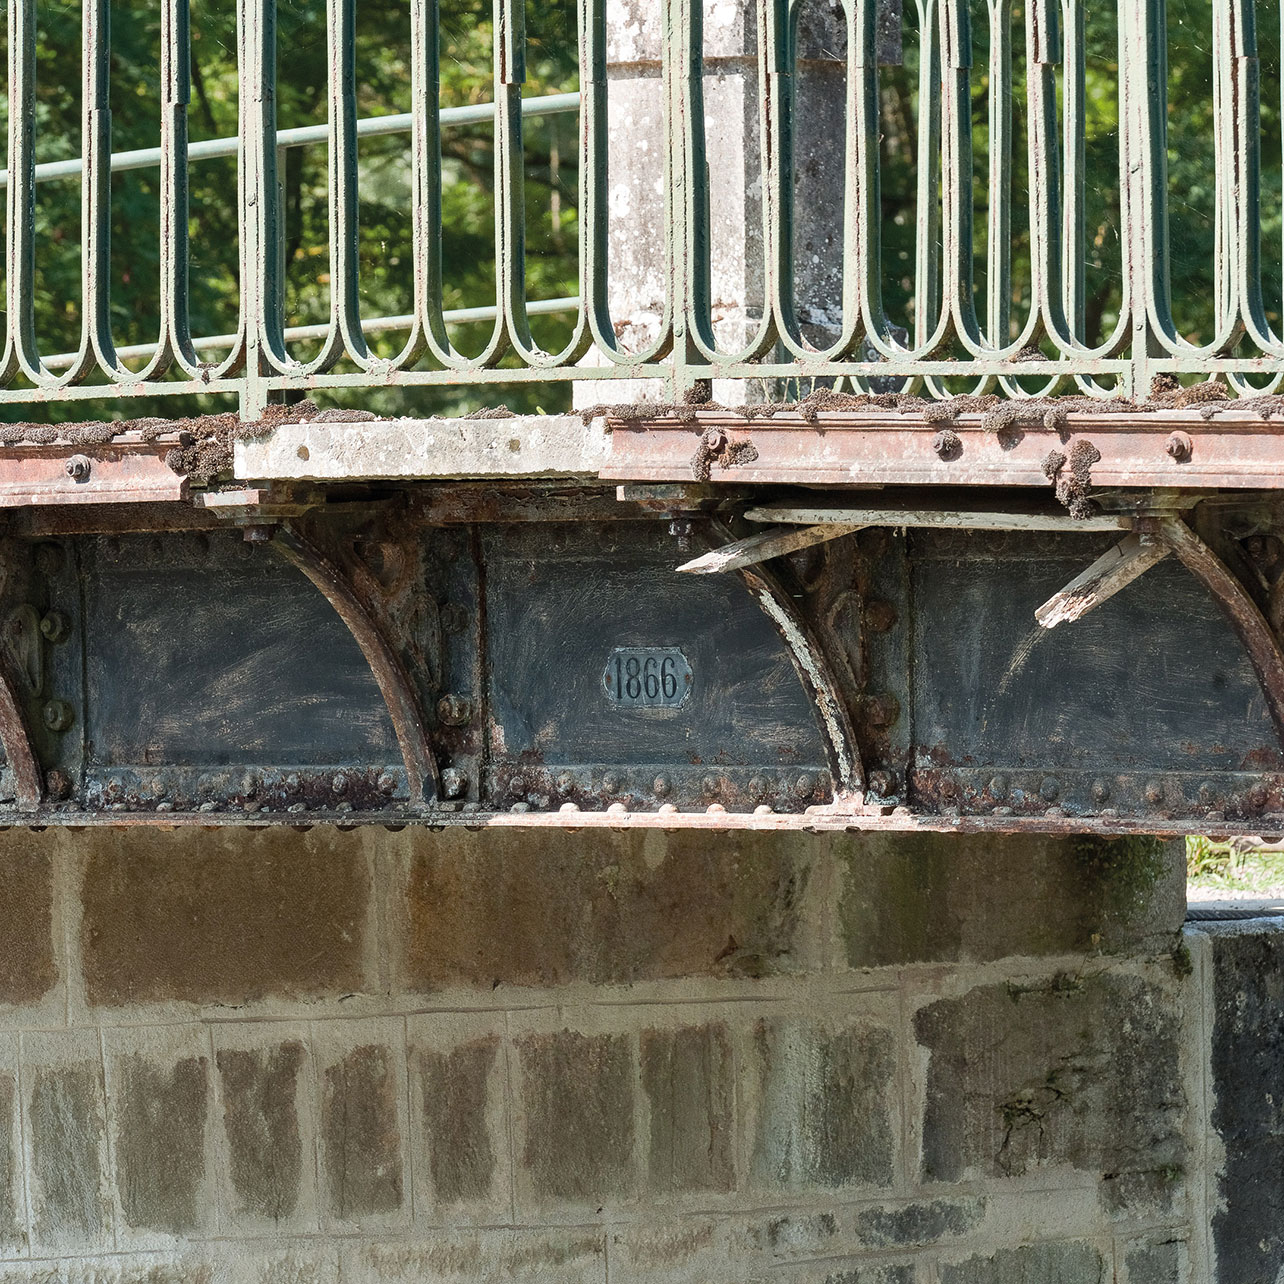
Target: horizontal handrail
{"points": [[305, 135]]}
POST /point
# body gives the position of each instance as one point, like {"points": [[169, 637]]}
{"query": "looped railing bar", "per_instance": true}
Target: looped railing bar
{"points": [[996, 157]]}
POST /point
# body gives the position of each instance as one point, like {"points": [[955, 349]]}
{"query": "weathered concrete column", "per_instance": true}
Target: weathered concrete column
{"points": [[733, 92], [266, 1057]]}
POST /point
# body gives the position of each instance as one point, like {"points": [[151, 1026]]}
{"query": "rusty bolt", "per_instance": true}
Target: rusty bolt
{"points": [[882, 783], [882, 710], [759, 787], [78, 467], [387, 782], [54, 627], [1256, 796], [339, 784], [662, 786], [805, 785], [292, 781], [1207, 793], [454, 618], [714, 439], [998, 787], [947, 444], [50, 559], [454, 710], [612, 782], [1049, 789], [880, 616], [58, 785], [517, 787], [1154, 792], [709, 786], [1100, 791], [58, 715], [1179, 446], [949, 787], [454, 783], [565, 782]]}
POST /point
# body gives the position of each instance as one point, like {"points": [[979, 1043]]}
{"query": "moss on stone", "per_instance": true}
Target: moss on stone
{"points": [[1126, 869]]}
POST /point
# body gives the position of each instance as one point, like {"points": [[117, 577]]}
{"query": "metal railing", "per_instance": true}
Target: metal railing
{"points": [[1017, 340]]}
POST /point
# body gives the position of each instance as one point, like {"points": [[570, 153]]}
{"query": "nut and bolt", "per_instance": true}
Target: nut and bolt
{"points": [[454, 618], [880, 616], [78, 467], [1100, 791], [58, 715], [759, 787], [1179, 446], [54, 627], [714, 439], [58, 785], [339, 784], [1154, 792], [517, 787], [1049, 789], [454, 783], [998, 787], [805, 786], [565, 782], [454, 710], [947, 444], [882, 710], [882, 783], [710, 786], [662, 786], [50, 559], [387, 782]]}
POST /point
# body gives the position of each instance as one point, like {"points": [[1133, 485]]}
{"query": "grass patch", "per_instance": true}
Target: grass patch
{"points": [[1214, 867]]}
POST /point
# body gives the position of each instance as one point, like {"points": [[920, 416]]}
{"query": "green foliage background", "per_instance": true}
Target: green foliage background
{"points": [[551, 174]]}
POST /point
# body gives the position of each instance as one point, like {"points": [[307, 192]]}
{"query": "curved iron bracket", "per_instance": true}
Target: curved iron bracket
{"points": [[15, 737], [399, 693], [817, 676], [1254, 631]]}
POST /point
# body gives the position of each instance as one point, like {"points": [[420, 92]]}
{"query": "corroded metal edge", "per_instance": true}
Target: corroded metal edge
{"points": [[15, 736], [399, 694], [1233, 450]]}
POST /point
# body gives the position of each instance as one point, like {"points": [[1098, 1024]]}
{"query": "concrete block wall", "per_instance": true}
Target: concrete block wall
{"points": [[282, 1057]]}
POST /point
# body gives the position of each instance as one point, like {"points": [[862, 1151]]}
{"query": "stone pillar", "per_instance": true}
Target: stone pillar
{"points": [[388, 1058], [733, 90]]}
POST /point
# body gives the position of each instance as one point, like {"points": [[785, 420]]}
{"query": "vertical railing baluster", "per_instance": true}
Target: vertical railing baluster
{"points": [[510, 201], [594, 175], [20, 197], [261, 285], [927, 247], [175, 308], [1074, 161], [998, 248], [95, 200], [345, 292]]}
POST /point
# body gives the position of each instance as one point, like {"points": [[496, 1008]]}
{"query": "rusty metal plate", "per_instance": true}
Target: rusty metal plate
{"points": [[116, 473], [1234, 449]]}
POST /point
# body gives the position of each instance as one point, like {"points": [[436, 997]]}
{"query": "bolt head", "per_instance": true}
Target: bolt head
{"points": [[612, 782], [58, 715], [714, 439], [1179, 446], [1049, 789], [454, 710], [454, 783], [387, 782], [78, 467], [54, 627], [759, 787], [58, 785], [662, 786], [1154, 792], [1100, 791], [947, 444], [998, 787], [339, 784], [882, 783], [565, 782], [805, 785]]}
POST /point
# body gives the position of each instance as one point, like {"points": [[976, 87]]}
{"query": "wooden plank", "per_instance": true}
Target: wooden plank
{"points": [[1113, 570], [971, 519], [761, 548]]}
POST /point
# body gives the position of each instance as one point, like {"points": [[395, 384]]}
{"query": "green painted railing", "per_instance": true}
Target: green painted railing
{"points": [[958, 335]]}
